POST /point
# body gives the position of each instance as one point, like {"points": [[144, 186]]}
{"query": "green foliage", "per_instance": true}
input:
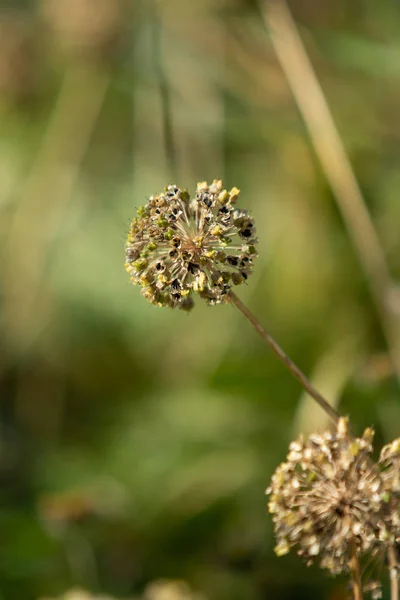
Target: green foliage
{"points": [[136, 443]]}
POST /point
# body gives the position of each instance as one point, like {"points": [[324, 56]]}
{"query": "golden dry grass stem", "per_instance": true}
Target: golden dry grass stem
{"points": [[44, 197], [355, 572], [165, 95], [394, 573], [332, 155], [284, 358]]}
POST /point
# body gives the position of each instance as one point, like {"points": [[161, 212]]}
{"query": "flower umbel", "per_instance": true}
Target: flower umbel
{"points": [[177, 246], [328, 498]]}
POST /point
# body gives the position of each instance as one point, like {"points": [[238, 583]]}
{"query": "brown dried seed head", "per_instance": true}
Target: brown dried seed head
{"points": [[327, 494]]}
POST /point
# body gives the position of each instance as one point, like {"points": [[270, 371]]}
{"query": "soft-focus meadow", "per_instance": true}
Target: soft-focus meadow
{"points": [[135, 442]]}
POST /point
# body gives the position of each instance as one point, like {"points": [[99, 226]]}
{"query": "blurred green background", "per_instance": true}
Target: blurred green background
{"points": [[136, 443]]}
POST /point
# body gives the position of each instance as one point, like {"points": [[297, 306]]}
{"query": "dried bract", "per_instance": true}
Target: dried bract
{"points": [[177, 247]]}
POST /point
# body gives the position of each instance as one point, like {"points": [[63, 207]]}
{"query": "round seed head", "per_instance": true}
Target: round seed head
{"points": [[170, 590], [327, 497], [178, 247]]}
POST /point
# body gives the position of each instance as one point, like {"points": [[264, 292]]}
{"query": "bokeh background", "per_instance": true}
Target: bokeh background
{"points": [[135, 442]]}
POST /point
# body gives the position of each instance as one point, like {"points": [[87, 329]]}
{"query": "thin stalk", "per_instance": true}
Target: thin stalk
{"points": [[355, 572], [314, 109], [393, 570], [284, 358], [165, 94], [43, 200]]}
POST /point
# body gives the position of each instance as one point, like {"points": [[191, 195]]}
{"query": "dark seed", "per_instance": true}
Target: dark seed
{"points": [[175, 284], [192, 268], [232, 260]]}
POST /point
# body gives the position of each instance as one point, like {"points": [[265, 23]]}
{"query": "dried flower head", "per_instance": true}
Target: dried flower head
{"points": [[78, 594], [170, 590], [19, 65], [85, 28], [328, 497], [177, 246]]}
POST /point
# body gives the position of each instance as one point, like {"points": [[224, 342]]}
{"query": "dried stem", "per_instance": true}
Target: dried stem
{"points": [[330, 150], [165, 95], [393, 570], [44, 198], [355, 572], [284, 358]]}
